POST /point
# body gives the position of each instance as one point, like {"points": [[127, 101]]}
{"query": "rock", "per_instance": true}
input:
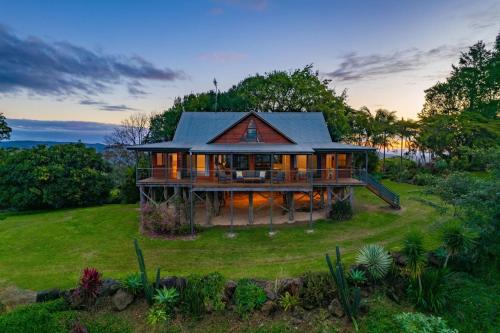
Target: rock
{"points": [[47, 295], [335, 308], [269, 290], [229, 289], [173, 282], [269, 308], [291, 285], [109, 287], [12, 296], [399, 259], [121, 299]]}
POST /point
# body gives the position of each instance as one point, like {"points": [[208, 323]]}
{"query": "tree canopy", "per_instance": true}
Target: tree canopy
{"points": [[53, 177], [4, 129], [300, 90]]}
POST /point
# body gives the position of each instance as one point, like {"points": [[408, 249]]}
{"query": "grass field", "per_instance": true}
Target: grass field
{"points": [[49, 249]]}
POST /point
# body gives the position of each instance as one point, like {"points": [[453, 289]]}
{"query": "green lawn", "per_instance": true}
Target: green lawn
{"points": [[49, 249]]}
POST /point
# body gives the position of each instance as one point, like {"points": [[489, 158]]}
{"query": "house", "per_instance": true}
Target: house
{"points": [[214, 155]]}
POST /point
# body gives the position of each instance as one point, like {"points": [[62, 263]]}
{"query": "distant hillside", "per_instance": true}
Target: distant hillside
{"points": [[29, 144]]}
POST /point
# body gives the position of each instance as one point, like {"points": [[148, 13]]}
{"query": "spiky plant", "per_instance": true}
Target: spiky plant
{"points": [[350, 300], [414, 251], [148, 288], [288, 301], [376, 260], [457, 239], [132, 283], [167, 297], [357, 276]]}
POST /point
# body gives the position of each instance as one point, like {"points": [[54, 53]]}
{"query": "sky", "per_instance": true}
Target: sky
{"points": [[97, 62]]}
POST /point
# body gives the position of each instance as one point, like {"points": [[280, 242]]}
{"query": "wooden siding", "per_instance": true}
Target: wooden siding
{"points": [[265, 133]]}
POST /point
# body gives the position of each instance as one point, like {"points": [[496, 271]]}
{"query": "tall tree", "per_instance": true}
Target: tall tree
{"points": [[384, 124], [301, 90], [5, 130]]}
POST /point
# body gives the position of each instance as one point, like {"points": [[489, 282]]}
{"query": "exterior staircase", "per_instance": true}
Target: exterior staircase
{"points": [[383, 192]]}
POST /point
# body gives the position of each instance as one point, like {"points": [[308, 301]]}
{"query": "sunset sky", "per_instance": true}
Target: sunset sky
{"points": [[100, 61]]}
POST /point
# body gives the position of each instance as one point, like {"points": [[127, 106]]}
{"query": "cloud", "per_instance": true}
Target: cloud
{"points": [[105, 106], [63, 69], [222, 57], [354, 67], [135, 88], [484, 18], [63, 131]]}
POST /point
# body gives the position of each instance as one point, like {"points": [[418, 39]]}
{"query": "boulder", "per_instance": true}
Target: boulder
{"points": [[269, 308], [229, 289], [121, 299], [109, 287], [335, 308], [269, 290], [291, 285], [172, 282], [12, 296], [47, 295]]}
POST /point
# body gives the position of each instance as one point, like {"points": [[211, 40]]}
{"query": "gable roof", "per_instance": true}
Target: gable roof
{"points": [[248, 114], [299, 127], [307, 130]]}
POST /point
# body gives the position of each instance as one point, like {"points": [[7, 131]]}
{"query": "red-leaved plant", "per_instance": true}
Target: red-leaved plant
{"points": [[89, 287]]}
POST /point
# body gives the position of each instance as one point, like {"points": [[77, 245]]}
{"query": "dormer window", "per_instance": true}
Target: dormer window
{"points": [[251, 135]]}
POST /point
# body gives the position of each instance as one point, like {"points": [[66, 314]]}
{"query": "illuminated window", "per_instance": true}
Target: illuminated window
{"points": [[342, 160], [160, 159]]}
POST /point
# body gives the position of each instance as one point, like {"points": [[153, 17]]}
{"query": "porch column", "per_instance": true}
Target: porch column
{"points": [[177, 203], [208, 206], [232, 212], [271, 203], [191, 210], [336, 167], [291, 205], [328, 201], [250, 207], [310, 209]]}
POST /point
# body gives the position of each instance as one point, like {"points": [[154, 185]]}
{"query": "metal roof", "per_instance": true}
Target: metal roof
{"points": [[307, 129], [216, 148]]}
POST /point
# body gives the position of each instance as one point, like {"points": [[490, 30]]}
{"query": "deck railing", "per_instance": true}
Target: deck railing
{"points": [[269, 177]]}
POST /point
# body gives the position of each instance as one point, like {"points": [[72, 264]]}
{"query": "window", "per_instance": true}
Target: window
{"points": [[251, 134], [342, 160], [202, 164], [262, 162], [160, 160], [240, 162]]}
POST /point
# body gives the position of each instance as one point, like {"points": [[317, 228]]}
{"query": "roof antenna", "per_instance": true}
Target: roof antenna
{"points": [[216, 93]]}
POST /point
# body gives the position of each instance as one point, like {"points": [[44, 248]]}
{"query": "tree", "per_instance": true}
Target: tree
{"points": [[384, 128], [4, 129], [300, 90], [457, 239], [463, 110], [405, 129], [53, 177]]}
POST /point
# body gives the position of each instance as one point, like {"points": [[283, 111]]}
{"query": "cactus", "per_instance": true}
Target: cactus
{"points": [[349, 300], [148, 288]]}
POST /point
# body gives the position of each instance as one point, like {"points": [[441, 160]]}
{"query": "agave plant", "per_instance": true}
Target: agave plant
{"points": [[288, 301], [376, 259], [357, 276], [132, 283], [167, 297]]}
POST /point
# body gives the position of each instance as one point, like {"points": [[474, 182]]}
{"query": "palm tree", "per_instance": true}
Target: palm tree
{"points": [[405, 129], [384, 126], [457, 239], [414, 251]]}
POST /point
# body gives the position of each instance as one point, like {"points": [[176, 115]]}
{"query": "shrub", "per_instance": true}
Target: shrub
{"points": [[356, 276], [341, 210], [89, 287], [157, 315], [288, 301], [248, 296], [434, 290], [132, 283], [167, 297], [422, 179], [473, 304], [420, 323], [317, 289], [376, 260], [36, 318], [457, 239], [159, 220], [203, 293]]}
